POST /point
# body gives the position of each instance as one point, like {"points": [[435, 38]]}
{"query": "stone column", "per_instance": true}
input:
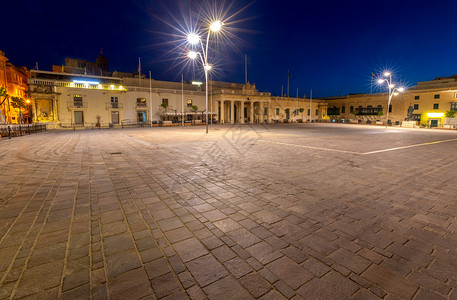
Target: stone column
{"points": [[232, 112], [242, 112], [221, 121], [251, 118], [261, 112]]}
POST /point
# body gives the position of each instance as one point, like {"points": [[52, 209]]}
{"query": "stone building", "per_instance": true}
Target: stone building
{"points": [[15, 79]]}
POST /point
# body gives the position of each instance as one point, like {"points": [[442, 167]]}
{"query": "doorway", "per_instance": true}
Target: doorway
{"points": [[433, 123], [79, 117], [141, 116]]}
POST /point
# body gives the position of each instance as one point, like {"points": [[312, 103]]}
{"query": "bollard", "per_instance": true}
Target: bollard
{"points": [[9, 132], [20, 130]]}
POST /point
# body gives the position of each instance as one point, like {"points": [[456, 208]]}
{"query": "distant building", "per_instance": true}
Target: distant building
{"points": [[75, 94]]}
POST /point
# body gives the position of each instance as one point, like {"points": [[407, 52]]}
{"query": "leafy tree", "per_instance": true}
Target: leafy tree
{"points": [[302, 109], [380, 113], [164, 105], [18, 102], [450, 114], [3, 94], [354, 112], [195, 107]]}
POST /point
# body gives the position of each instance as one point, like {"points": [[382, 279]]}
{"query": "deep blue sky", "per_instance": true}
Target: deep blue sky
{"points": [[332, 47]]}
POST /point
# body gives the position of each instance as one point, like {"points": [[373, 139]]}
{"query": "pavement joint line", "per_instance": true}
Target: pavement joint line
{"points": [[312, 147], [410, 146]]}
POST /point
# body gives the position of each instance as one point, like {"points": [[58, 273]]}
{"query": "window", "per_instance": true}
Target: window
{"points": [[437, 96], [436, 106], [189, 102], [454, 106], [317, 111], [351, 108], [78, 100], [343, 109], [379, 106], [416, 106], [265, 110], [164, 100], [390, 108], [416, 97], [114, 102], [277, 111], [309, 111], [140, 102]]}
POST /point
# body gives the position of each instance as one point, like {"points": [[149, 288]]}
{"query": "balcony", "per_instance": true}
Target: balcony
{"points": [[71, 104], [368, 111], [114, 105], [141, 106]]}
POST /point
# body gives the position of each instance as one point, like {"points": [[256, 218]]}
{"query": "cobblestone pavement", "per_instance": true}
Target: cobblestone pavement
{"points": [[285, 211]]}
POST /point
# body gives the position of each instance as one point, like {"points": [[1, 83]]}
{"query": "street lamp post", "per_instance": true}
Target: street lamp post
{"points": [[195, 39], [393, 91]]}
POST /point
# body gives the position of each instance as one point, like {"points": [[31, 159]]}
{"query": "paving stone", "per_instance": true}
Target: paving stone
{"points": [[223, 253], [178, 234], [243, 237], [255, 284], [157, 268], [226, 288], [263, 252], [121, 262], [237, 267], [352, 261], [227, 225], [206, 270], [189, 249], [165, 285], [290, 272], [319, 289], [391, 282]]}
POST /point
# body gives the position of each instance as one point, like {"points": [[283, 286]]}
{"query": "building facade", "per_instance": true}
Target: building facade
{"points": [[16, 108]]}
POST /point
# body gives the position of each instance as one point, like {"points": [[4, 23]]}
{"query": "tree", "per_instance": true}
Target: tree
{"points": [[18, 102], [164, 105], [3, 94], [195, 107], [450, 114]]}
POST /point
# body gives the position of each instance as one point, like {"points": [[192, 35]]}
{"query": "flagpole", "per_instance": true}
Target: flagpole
{"points": [[310, 104], [182, 99], [150, 97]]}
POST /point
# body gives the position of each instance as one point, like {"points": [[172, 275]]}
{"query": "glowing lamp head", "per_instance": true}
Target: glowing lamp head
{"points": [[208, 67], [386, 74], [216, 26], [380, 81], [193, 39], [395, 94], [391, 86], [192, 55], [28, 101], [401, 89]]}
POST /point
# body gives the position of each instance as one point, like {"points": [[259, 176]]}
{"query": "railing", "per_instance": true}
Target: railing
{"points": [[115, 105], [77, 104], [141, 105], [368, 111], [10, 131]]}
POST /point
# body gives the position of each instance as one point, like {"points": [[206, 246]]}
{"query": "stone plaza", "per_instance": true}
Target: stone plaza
{"points": [[277, 211]]}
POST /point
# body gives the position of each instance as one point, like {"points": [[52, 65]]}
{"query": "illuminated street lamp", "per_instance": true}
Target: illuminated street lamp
{"points": [[393, 90], [194, 39]]}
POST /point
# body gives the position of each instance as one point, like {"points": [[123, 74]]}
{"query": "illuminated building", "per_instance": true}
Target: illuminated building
{"points": [[15, 80]]}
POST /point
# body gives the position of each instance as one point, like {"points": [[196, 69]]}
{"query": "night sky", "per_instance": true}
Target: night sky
{"points": [[331, 47]]}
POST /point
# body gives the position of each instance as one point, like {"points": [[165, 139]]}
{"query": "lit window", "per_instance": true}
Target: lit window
{"points": [[189, 103]]}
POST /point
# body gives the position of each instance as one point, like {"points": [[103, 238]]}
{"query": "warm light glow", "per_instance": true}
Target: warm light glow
{"points": [[401, 89], [121, 87], [216, 26], [391, 86], [386, 74], [99, 86], [395, 94], [380, 81], [72, 84], [197, 83], [28, 101], [208, 67], [111, 87], [192, 55], [435, 115], [193, 39]]}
